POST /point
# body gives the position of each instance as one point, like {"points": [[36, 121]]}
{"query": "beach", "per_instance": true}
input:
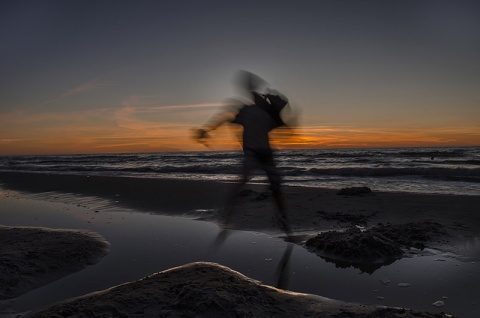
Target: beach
{"points": [[452, 221]]}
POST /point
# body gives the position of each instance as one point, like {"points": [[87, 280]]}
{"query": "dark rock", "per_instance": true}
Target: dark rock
{"points": [[257, 196], [354, 191]]}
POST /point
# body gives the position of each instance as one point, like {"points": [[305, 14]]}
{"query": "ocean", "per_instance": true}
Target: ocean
{"points": [[446, 170]]}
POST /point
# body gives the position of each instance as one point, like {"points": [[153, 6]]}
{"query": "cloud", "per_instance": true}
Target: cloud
{"points": [[86, 87], [154, 102], [7, 140], [351, 136], [80, 89], [147, 113], [26, 119]]}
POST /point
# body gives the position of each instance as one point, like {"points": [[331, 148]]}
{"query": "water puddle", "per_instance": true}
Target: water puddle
{"points": [[142, 244]]}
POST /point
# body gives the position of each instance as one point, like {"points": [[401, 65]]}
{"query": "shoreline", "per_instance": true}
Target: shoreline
{"points": [[201, 201], [308, 208]]}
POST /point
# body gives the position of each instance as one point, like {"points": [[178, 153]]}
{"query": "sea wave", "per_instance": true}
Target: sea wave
{"points": [[451, 167], [450, 174], [472, 175], [433, 153]]}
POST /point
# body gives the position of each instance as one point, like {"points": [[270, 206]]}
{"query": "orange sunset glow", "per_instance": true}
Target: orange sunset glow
{"points": [[130, 130]]}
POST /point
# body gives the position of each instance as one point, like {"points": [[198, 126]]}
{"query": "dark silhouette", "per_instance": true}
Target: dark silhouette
{"points": [[282, 273], [257, 117]]}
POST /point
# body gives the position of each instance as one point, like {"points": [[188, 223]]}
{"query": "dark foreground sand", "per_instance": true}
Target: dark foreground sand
{"points": [[210, 290], [33, 256]]}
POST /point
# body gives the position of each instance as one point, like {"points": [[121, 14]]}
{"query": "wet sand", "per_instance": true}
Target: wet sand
{"points": [[310, 211]]}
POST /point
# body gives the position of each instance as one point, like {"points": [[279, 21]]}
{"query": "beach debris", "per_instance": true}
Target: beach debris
{"points": [[354, 219], [403, 285], [261, 196], [245, 192], [438, 303], [380, 298], [258, 196], [268, 260], [385, 281], [354, 191]]}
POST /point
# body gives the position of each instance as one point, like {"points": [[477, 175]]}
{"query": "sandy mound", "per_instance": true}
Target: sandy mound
{"points": [[210, 290], [355, 246], [413, 234], [32, 257], [378, 244]]}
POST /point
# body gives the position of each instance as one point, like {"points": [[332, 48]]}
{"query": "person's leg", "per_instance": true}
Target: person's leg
{"points": [[232, 198], [249, 164], [281, 212], [282, 274], [273, 175]]}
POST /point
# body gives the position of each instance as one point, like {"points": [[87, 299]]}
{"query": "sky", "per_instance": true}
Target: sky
{"points": [[84, 76]]}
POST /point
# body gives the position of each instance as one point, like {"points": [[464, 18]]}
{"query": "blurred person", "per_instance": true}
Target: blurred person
{"points": [[259, 116]]}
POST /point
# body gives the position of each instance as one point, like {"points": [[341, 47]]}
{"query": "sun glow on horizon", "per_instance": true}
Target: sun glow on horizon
{"points": [[143, 124], [123, 130]]}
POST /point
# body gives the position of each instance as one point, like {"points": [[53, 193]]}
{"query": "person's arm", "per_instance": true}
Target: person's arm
{"points": [[218, 120], [228, 115]]}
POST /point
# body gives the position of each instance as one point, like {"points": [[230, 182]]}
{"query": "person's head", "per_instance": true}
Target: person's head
{"points": [[249, 81]]}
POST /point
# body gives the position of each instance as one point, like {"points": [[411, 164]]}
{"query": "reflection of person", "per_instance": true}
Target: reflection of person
{"points": [[282, 274], [257, 119]]}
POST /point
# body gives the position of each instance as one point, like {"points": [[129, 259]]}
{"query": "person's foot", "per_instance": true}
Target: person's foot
{"points": [[224, 217], [220, 239], [285, 227]]}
